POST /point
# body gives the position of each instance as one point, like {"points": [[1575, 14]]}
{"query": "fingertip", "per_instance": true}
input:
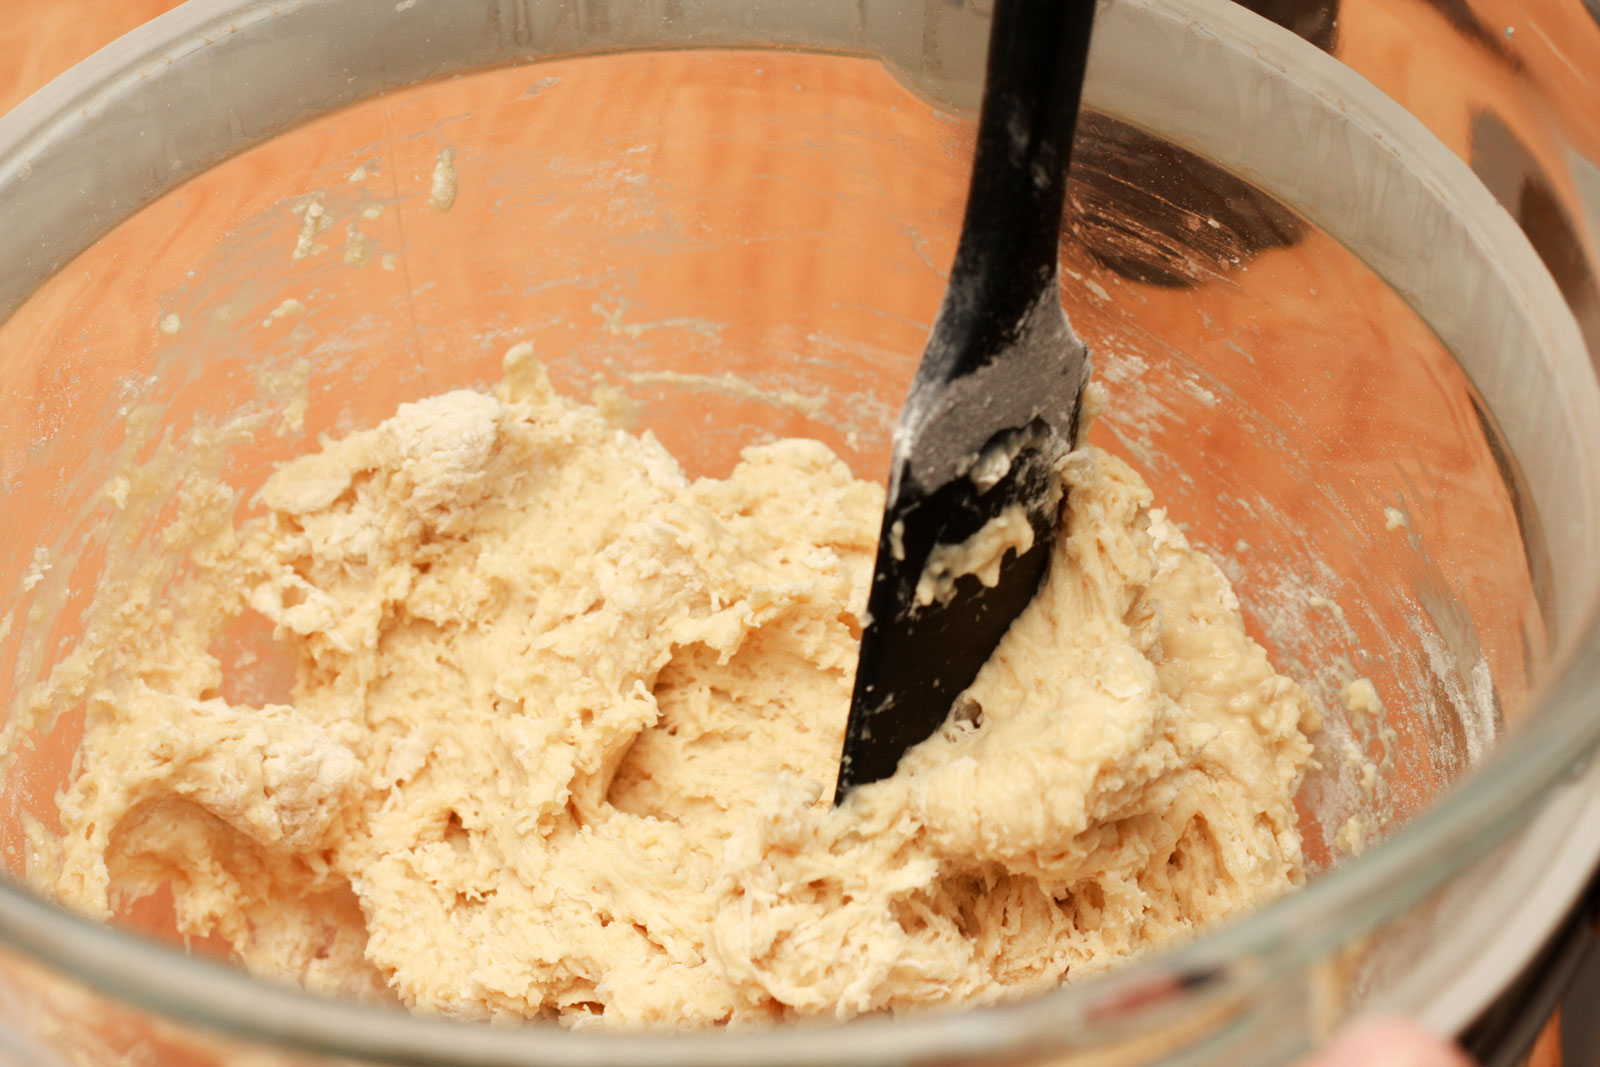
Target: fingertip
{"points": [[1389, 1043]]}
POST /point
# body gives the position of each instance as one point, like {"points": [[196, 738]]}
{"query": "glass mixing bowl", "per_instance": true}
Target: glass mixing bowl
{"points": [[1337, 360]]}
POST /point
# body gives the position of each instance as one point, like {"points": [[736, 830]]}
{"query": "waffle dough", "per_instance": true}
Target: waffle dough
{"points": [[565, 724]]}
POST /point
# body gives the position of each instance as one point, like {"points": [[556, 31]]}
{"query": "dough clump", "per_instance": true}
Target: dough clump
{"points": [[564, 724]]}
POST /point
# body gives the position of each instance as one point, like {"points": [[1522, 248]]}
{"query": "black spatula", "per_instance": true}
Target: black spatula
{"points": [[993, 405]]}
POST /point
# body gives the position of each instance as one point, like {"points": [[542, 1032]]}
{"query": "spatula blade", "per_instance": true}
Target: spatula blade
{"points": [[960, 503]]}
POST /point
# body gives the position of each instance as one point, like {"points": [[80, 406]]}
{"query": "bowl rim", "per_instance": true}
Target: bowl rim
{"points": [[1254, 952]]}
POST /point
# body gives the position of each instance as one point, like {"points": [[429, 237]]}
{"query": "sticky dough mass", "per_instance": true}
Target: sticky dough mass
{"points": [[564, 725]]}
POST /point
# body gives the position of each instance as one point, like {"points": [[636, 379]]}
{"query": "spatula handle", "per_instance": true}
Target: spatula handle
{"points": [[1038, 52]]}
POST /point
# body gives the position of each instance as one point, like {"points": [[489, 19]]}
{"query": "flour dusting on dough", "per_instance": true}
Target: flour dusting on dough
{"points": [[564, 724]]}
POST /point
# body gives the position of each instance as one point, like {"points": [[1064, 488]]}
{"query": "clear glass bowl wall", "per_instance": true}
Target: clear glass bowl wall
{"points": [[748, 243]]}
